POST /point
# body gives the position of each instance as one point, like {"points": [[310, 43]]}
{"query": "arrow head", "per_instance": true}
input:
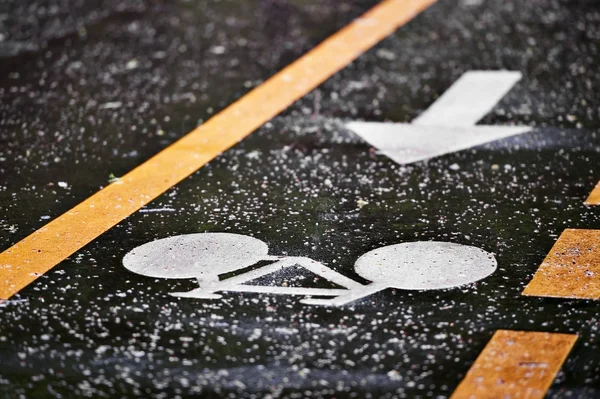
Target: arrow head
{"points": [[407, 143]]}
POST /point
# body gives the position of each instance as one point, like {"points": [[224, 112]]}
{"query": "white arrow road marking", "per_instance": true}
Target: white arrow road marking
{"points": [[469, 99], [405, 143], [449, 124]]}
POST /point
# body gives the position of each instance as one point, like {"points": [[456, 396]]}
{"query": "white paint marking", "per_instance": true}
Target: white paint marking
{"points": [[469, 99], [269, 289], [425, 265], [408, 266], [421, 265], [155, 210], [203, 256], [350, 296], [233, 283], [405, 143], [449, 124]]}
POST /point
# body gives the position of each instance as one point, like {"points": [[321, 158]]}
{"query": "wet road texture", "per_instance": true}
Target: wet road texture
{"points": [[89, 90]]}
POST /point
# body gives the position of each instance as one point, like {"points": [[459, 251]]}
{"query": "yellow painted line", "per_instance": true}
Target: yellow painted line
{"points": [[516, 364], [48, 246], [594, 198], [571, 269]]}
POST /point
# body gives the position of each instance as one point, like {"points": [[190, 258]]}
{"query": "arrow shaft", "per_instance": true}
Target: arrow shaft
{"points": [[469, 99]]}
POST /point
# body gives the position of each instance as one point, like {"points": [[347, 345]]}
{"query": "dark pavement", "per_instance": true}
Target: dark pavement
{"points": [[89, 89]]}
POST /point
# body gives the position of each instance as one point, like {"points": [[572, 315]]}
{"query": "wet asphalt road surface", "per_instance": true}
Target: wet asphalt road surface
{"points": [[90, 89]]}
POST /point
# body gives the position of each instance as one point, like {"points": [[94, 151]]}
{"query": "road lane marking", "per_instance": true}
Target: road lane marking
{"points": [[206, 256], [594, 198], [419, 265], [516, 364], [469, 99], [571, 268], [36, 254], [449, 124]]}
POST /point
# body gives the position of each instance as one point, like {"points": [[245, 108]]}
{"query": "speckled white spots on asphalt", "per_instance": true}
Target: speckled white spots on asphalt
{"points": [[113, 333]]}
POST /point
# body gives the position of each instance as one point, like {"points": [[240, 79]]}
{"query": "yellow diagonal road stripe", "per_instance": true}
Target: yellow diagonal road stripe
{"points": [[516, 364], [594, 198], [42, 250], [571, 268]]}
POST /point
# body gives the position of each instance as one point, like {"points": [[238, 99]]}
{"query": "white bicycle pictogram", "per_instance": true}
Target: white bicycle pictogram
{"points": [[421, 265]]}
